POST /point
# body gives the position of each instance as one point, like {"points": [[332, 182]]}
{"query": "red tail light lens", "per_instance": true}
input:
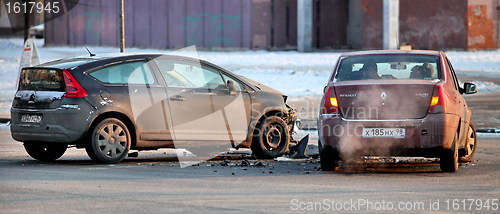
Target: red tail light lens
{"points": [[330, 104], [437, 101], [73, 88]]}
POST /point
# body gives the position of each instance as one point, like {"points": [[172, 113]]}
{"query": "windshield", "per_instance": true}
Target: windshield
{"points": [[389, 66], [41, 80]]}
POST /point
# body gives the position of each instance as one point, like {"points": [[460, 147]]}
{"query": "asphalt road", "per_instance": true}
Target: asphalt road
{"points": [[152, 183]]}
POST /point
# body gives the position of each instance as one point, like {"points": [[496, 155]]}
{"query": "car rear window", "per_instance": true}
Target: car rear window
{"points": [[41, 80], [390, 66]]}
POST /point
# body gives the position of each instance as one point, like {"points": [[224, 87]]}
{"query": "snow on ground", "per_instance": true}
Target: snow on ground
{"points": [[476, 63], [291, 72], [4, 126]]}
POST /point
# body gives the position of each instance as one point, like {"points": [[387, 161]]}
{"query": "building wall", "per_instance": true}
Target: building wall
{"points": [[156, 23], [433, 24], [330, 23], [482, 24], [214, 24], [430, 24], [272, 24], [365, 24]]}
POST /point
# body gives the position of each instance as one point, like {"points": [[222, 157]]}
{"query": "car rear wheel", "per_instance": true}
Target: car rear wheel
{"points": [[329, 157], [45, 151], [470, 145], [110, 141], [449, 158], [272, 138]]}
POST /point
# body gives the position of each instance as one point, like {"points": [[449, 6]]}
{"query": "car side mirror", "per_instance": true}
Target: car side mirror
{"points": [[231, 87], [324, 89], [470, 88]]}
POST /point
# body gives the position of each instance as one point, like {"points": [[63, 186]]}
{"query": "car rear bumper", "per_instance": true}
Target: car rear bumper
{"points": [[57, 125], [424, 137]]}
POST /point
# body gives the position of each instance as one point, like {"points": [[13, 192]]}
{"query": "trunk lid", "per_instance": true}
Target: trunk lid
{"points": [[380, 100]]}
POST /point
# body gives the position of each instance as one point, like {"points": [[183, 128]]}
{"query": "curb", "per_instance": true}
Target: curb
{"points": [[487, 131]]}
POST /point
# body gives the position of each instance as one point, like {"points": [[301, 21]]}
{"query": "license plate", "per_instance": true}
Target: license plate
{"points": [[383, 132], [31, 118]]}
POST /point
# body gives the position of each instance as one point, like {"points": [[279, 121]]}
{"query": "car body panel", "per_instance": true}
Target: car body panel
{"points": [[152, 113], [382, 99], [427, 133]]}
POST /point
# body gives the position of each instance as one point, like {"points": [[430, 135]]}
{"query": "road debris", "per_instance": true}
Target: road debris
{"points": [[299, 151]]}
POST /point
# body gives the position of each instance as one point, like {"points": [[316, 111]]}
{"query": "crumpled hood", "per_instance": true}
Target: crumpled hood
{"points": [[262, 86]]}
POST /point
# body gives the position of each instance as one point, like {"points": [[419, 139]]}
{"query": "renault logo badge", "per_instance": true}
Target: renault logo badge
{"points": [[383, 95]]}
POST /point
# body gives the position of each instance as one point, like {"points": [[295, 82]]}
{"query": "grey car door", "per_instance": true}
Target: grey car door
{"points": [[201, 106], [133, 83]]}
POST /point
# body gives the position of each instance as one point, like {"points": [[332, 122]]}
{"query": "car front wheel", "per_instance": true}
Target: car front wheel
{"points": [[271, 139], [45, 151], [110, 141]]}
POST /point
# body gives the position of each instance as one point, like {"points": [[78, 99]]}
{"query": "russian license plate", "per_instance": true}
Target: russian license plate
{"points": [[31, 118], [383, 132]]}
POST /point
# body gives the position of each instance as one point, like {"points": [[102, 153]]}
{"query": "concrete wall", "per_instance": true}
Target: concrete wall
{"points": [[330, 24], [272, 24], [214, 24], [428, 24], [156, 23], [365, 24], [433, 24], [482, 32]]}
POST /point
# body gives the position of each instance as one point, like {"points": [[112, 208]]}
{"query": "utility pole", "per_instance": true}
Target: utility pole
{"points": [[122, 27], [26, 23], [391, 24], [304, 25]]}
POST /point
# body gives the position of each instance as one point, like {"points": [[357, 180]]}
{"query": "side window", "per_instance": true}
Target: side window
{"points": [[452, 71], [126, 73], [239, 87], [186, 75]]}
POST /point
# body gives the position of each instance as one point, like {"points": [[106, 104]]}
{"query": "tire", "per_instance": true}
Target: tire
{"points": [[110, 141], [469, 150], [271, 138], [449, 158], [329, 157], [45, 151]]}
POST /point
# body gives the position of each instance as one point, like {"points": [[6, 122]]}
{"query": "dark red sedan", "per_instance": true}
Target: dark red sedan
{"points": [[395, 103]]}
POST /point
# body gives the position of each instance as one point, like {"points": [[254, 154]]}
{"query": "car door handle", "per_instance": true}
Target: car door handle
{"points": [[177, 98]]}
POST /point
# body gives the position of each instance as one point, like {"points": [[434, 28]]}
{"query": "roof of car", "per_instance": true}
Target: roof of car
{"points": [[72, 62], [80, 60], [382, 52]]}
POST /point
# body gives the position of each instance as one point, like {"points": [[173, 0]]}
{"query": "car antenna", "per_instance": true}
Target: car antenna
{"points": [[90, 53]]}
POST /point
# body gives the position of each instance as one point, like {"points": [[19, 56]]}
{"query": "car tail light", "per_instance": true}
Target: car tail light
{"points": [[330, 104], [73, 88], [437, 101]]}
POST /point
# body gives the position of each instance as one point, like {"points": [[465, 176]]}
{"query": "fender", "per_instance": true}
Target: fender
{"points": [[253, 124]]}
